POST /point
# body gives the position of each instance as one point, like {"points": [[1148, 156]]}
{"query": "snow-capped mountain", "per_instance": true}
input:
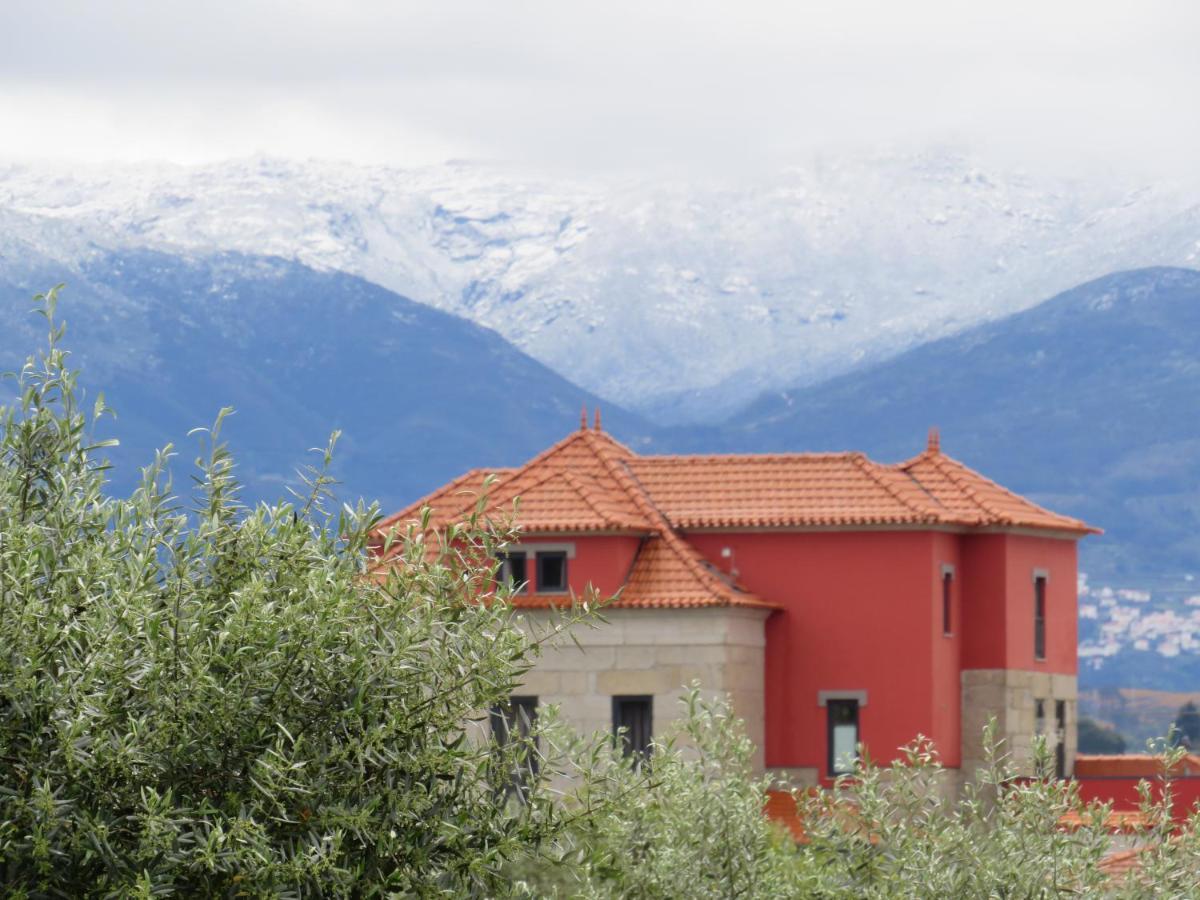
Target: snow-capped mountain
{"points": [[684, 299]]}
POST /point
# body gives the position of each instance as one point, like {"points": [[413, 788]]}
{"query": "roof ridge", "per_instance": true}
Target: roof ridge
{"points": [[742, 457], [938, 461], [410, 511], [508, 473], [869, 468], [953, 463], [642, 499], [583, 490]]}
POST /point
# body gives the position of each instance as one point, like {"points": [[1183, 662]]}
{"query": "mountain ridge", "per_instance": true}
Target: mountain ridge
{"points": [[297, 353], [651, 293]]}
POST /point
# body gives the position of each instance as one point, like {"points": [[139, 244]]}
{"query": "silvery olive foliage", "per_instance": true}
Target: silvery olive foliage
{"points": [[203, 699], [892, 831], [685, 823]]}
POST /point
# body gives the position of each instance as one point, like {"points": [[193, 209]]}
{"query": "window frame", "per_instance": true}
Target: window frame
{"points": [[947, 600], [630, 742], [520, 711], [504, 573], [1060, 738], [1041, 582], [832, 704], [542, 555]]}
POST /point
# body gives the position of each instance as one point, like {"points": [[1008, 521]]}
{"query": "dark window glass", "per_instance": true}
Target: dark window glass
{"points": [[842, 717], [551, 572], [512, 572], [1039, 617], [1060, 728], [515, 720], [947, 584], [1039, 716], [633, 723]]}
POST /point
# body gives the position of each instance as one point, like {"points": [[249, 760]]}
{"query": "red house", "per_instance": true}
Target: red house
{"points": [[836, 599]]}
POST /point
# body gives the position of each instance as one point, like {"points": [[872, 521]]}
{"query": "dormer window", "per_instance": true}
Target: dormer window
{"points": [[551, 572], [512, 572]]}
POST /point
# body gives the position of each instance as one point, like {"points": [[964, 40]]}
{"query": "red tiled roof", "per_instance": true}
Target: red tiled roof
{"points": [[1117, 820], [1130, 765], [1122, 862], [780, 808], [589, 482], [834, 489]]}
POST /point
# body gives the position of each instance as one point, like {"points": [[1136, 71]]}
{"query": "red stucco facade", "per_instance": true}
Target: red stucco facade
{"points": [[846, 559], [862, 611]]}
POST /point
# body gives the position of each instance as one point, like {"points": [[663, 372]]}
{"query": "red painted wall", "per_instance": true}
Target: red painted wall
{"points": [[998, 584], [947, 650], [602, 561], [862, 612]]}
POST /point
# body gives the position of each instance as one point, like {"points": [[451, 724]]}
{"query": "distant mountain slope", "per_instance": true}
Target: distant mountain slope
{"points": [[675, 296], [420, 395], [1088, 402]]}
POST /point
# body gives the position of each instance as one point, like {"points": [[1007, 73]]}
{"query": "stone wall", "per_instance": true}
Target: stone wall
{"points": [[656, 652], [1011, 696]]}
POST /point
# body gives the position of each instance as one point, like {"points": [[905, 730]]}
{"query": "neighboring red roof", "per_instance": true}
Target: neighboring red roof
{"points": [[589, 482], [780, 808], [1131, 765], [1117, 820], [1122, 862]]}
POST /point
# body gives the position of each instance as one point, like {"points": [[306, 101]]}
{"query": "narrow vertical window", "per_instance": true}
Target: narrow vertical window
{"points": [[947, 595], [633, 719], [842, 737], [512, 572], [551, 572], [515, 721], [1039, 716], [1060, 737], [1039, 617]]}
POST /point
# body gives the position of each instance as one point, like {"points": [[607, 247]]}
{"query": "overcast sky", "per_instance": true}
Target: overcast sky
{"points": [[584, 86]]}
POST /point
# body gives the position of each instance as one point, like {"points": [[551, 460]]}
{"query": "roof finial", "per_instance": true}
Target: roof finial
{"points": [[583, 417], [935, 440], [596, 421]]}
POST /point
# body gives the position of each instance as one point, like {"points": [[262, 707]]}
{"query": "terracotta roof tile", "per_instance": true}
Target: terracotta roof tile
{"points": [[1121, 863], [589, 482], [780, 807], [978, 500], [669, 573], [1130, 765], [568, 487]]}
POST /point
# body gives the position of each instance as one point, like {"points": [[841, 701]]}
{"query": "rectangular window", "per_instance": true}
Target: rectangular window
{"points": [[947, 595], [1060, 736], [551, 572], [1039, 617], [515, 720], [842, 720], [1039, 716], [512, 572], [633, 719]]}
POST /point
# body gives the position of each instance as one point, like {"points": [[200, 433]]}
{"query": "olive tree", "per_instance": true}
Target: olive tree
{"points": [[200, 698]]}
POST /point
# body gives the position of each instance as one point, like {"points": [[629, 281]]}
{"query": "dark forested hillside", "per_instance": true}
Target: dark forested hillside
{"points": [[420, 395]]}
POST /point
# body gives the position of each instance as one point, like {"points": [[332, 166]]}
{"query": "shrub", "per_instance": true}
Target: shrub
{"points": [[687, 823], [217, 700], [1097, 738]]}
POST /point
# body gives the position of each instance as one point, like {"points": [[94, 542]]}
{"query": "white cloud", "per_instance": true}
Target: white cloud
{"points": [[586, 85]]}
